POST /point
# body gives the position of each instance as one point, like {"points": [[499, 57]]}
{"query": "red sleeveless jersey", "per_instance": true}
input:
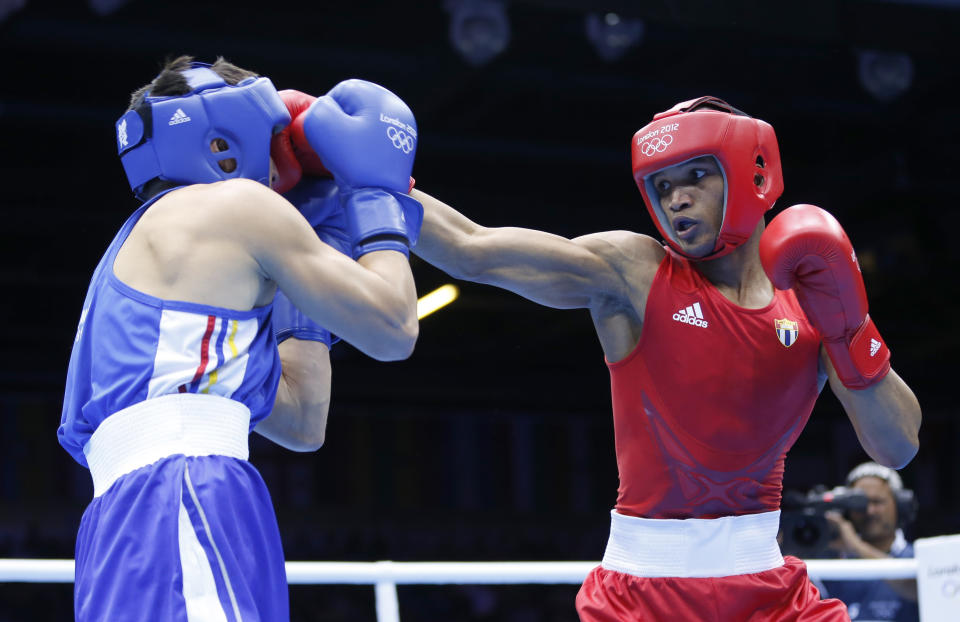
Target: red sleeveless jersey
{"points": [[708, 403]]}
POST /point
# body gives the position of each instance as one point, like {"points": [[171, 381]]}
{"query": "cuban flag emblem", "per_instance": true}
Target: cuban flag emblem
{"points": [[787, 331]]}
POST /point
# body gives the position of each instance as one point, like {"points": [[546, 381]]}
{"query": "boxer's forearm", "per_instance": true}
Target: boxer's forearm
{"points": [[298, 420], [444, 235], [885, 416]]}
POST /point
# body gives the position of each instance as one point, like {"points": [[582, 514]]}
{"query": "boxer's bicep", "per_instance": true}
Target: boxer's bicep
{"points": [[543, 267], [371, 304]]}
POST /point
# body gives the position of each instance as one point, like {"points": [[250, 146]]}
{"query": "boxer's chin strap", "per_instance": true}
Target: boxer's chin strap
{"points": [[154, 187]]}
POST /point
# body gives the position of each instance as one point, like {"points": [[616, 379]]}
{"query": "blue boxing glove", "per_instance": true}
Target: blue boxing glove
{"points": [[366, 136], [318, 200]]}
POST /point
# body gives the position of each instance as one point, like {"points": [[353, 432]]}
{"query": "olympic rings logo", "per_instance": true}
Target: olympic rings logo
{"points": [[401, 140], [657, 145]]}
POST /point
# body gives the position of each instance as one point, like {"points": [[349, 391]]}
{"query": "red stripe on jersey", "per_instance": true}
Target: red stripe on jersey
{"points": [[204, 348]]}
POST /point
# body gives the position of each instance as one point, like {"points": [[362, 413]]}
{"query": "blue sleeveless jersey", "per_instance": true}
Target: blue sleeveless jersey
{"points": [[132, 347]]}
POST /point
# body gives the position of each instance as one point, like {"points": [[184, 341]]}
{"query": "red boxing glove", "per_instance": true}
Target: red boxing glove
{"points": [[806, 249], [289, 148]]}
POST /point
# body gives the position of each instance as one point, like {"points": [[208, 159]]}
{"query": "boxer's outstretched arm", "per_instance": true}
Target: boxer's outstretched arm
{"points": [[299, 417], [886, 416], [586, 272]]}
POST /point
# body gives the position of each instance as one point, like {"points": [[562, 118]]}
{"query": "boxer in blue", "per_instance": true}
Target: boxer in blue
{"points": [[175, 359]]}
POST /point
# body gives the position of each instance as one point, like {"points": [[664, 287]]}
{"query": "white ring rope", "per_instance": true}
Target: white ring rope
{"points": [[386, 575], [437, 573]]}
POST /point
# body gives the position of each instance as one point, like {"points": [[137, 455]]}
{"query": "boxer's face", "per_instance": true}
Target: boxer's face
{"points": [[691, 197], [229, 165], [273, 172], [879, 521]]}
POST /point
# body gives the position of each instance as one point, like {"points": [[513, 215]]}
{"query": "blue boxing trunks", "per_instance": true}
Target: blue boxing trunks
{"points": [[181, 527]]}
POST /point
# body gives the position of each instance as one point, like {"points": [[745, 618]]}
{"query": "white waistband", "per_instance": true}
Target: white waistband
{"points": [[184, 423], [693, 547]]}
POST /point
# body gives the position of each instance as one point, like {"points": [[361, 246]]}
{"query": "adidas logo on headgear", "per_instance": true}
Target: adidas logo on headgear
{"points": [[691, 315], [178, 117], [874, 347]]}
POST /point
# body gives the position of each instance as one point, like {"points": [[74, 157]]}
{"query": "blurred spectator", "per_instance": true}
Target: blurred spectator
{"points": [[875, 533]]}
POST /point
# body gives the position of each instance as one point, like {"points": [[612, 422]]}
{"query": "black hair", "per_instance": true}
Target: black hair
{"points": [[715, 103], [170, 80]]}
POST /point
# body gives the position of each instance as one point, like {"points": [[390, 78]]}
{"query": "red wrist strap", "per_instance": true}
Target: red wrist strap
{"points": [[862, 362]]}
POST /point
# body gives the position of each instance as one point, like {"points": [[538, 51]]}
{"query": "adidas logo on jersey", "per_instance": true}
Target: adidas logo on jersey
{"points": [[691, 315], [179, 117], [874, 347]]}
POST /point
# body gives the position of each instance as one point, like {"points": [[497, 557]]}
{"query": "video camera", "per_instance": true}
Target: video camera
{"points": [[804, 529]]}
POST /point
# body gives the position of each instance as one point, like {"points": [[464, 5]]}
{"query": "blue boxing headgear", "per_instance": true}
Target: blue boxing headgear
{"points": [[170, 137]]}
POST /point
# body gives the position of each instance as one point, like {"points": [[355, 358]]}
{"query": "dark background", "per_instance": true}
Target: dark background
{"points": [[494, 441]]}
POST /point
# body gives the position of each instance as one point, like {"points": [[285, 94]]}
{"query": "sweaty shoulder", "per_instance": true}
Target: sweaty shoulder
{"points": [[633, 255], [245, 202], [200, 244], [217, 208], [618, 319], [243, 210]]}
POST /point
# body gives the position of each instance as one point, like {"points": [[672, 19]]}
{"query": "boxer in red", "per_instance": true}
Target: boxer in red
{"points": [[718, 343]]}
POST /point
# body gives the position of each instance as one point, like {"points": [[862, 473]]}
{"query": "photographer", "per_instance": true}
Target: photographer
{"points": [[875, 533]]}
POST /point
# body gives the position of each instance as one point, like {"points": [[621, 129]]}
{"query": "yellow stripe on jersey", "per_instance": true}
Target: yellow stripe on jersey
{"points": [[233, 351], [233, 333]]}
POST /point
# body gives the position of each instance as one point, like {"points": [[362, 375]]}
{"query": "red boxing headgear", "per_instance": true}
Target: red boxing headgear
{"points": [[746, 149]]}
